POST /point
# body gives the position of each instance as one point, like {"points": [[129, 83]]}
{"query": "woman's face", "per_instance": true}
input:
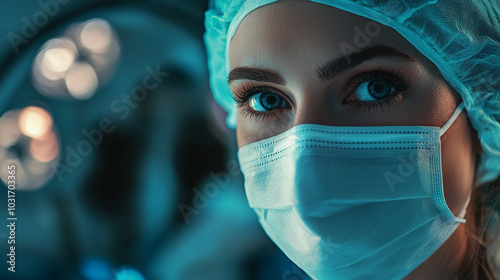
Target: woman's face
{"points": [[297, 62]]}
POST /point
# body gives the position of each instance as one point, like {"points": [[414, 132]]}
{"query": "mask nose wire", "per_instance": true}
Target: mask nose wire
{"points": [[452, 119]]}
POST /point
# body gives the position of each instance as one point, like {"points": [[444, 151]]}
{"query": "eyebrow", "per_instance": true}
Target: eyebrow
{"points": [[256, 74], [325, 72]]}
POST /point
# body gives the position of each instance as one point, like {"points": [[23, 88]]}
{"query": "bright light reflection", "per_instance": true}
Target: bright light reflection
{"points": [[129, 274], [96, 269], [96, 36], [75, 64], [81, 81], [44, 149], [58, 59], [35, 122], [29, 142]]}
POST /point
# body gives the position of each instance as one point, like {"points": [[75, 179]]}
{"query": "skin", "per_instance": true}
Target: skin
{"points": [[293, 38]]}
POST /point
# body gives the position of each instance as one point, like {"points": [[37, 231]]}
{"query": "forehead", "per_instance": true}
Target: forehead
{"points": [[286, 33]]}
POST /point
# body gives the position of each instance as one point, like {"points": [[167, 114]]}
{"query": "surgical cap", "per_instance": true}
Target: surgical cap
{"points": [[461, 37]]}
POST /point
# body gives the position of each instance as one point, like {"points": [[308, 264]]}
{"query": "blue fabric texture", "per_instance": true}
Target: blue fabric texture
{"points": [[319, 216], [461, 37]]}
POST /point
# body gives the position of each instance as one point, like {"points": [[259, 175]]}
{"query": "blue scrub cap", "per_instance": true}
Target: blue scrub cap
{"points": [[461, 37]]}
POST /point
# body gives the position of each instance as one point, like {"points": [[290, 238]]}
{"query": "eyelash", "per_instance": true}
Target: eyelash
{"points": [[243, 95], [395, 78]]}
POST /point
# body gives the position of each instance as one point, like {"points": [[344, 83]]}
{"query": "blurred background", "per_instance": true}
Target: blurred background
{"points": [[124, 168]]}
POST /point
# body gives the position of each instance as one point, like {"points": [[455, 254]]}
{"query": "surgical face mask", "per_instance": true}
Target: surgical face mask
{"points": [[352, 202]]}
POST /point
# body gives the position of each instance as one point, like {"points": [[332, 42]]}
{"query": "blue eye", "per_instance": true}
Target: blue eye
{"points": [[373, 90], [266, 101]]}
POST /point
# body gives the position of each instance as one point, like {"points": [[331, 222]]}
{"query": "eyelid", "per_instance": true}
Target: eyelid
{"points": [[397, 78], [245, 91]]}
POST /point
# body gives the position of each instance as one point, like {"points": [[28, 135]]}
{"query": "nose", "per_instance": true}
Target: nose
{"points": [[315, 108]]}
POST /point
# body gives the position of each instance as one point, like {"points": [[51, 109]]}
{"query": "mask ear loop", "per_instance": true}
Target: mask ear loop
{"points": [[460, 217], [452, 119]]}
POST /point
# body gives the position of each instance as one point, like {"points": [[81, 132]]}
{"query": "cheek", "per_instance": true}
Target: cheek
{"points": [[242, 136], [249, 131], [458, 159]]}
